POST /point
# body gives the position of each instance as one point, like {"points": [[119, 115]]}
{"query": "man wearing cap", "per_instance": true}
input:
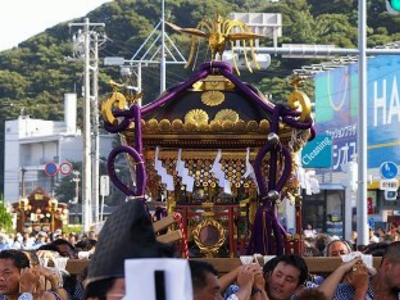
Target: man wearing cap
{"points": [[128, 233]]}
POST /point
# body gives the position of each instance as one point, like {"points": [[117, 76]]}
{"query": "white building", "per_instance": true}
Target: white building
{"points": [[30, 144]]}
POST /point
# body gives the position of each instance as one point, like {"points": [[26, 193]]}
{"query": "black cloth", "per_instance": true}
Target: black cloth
{"points": [[127, 233]]}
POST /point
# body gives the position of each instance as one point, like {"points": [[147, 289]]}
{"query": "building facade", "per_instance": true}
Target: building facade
{"points": [[337, 113], [35, 150]]}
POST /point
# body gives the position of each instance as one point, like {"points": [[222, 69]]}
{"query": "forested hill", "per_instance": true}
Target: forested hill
{"points": [[35, 75]]}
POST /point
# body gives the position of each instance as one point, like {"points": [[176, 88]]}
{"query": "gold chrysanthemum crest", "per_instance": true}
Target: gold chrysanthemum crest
{"points": [[227, 115], [196, 116], [212, 98]]}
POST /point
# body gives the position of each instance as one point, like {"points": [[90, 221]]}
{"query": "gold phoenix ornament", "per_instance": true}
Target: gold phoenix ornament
{"points": [[219, 32]]}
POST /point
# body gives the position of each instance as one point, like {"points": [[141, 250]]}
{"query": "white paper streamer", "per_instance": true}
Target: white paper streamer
{"points": [[183, 172], [249, 168], [307, 181], [166, 178], [216, 169]]}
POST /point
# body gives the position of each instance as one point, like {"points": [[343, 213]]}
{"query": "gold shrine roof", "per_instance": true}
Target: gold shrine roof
{"points": [[213, 112]]}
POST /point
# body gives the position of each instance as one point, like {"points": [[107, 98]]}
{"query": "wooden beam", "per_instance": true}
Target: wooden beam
{"points": [[316, 265], [163, 223], [170, 237]]}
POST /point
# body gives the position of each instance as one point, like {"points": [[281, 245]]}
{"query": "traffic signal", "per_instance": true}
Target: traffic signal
{"points": [[393, 6]]}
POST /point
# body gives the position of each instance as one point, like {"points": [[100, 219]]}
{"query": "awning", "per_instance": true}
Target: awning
{"points": [[331, 186]]}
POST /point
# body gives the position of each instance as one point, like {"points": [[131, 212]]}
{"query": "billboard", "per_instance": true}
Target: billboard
{"points": [[383, 110], [336, 94], [317, 153], [336, 110]]}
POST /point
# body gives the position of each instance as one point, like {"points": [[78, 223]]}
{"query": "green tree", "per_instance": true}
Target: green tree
{"points": [[66, 187], [335, 29], [13, 84], [6, 224]]}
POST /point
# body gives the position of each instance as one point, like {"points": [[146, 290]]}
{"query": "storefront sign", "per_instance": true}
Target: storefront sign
{"points": [[389, 184], [317, 153]]}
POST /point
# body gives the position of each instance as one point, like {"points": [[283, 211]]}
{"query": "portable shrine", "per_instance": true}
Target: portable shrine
{"points": [[215, 150]]}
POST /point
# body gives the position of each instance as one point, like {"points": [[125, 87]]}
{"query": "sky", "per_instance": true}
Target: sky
{"points": [[22, 19]]}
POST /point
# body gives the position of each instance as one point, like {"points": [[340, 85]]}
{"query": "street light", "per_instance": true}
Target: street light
{"points": [[53, 206], [126, 72]]}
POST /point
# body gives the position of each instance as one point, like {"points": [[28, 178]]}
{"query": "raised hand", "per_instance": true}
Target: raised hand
{"points": [[358, 276], [28, 280]]}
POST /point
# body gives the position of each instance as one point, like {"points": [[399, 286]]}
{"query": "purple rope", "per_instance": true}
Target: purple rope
{"points": [[273, 161], [258, 170], [273, 234], [140, 171], [287, 169], [256, 242], [127, 118], [280, 244], [135, 152]]}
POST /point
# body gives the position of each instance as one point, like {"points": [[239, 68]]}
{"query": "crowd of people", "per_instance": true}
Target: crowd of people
{"points": [[321, 244], [31, 240], [287, 277], [128, 234], [25, 270]]}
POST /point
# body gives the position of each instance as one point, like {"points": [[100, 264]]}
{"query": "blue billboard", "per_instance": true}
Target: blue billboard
{"points": [[336, 109], [383, 110], [317, 153]]}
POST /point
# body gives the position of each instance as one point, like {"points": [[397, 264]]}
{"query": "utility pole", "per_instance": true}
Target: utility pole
{"points": [[75, 201], [362, 206], [96, 135], [23, 171], [86, 165], [86, 162], [76, 179]]}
